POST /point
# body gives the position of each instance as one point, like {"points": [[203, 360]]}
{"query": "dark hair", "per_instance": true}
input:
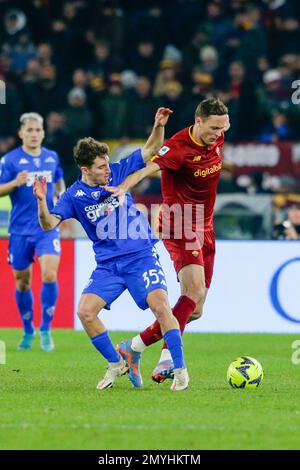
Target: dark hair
{"points": [[87, 150], [209, 107]]}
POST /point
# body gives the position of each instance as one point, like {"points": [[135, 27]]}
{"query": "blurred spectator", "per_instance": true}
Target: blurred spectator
{"points": [[144, 60], [15, 25], [174, 99], [289, 229], [108, 25], [167, 72], [77, 116], [32, 71], [278, 131], [104, 62], [45, 54], [58, 139], [21, 53], [142, 109], [47, 94], [240, 97], [113, 111]]}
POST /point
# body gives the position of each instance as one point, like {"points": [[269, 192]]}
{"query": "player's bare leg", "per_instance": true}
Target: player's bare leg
{"points": [[24, 300], [89, 307], [49, 267]]}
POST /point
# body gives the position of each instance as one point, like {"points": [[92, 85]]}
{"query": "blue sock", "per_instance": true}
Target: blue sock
{"points": [[48, 298], [103, 344], [25, 305], [174, 343]]}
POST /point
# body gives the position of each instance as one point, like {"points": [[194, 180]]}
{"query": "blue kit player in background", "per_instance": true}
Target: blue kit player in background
{"points": [[18, 169], [124, 251]]}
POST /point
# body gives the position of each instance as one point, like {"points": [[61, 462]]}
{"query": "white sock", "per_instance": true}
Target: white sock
{"points": [[165, 355], [137, 344]]}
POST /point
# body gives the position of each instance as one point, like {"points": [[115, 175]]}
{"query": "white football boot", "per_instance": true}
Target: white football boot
{"points": [[181, 380], [114, 370]]}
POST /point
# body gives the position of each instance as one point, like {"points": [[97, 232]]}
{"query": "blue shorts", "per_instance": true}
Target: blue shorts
{"points": [[140, 273], [22, 248]]}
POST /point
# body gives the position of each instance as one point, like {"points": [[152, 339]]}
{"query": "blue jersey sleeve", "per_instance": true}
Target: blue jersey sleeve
{"points": [[64, 208], [7, 172], [128, 165], [59, 174]]}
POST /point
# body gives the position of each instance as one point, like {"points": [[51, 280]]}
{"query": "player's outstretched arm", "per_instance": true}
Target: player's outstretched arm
{"points": [[7, 188], [132, 180], [47, 221], [156, 138]]}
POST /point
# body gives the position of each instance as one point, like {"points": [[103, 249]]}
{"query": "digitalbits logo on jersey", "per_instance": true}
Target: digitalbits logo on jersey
{"points": [[163, 150]]}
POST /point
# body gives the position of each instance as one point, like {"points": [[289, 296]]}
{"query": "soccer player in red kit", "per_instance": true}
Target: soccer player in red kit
{"points": [[191, 163]]}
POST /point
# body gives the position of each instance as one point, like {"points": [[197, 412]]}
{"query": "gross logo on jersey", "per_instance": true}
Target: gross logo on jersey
{"points": [[208, 171], [163, 150], [96, 211], [197, 158], [22, 161]]}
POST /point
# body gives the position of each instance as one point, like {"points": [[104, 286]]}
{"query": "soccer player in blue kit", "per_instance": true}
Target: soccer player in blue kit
{"points": [[17, 172], [124, 251]]}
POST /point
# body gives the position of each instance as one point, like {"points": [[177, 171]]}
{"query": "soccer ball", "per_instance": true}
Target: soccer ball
{"points": [[245, 372]]}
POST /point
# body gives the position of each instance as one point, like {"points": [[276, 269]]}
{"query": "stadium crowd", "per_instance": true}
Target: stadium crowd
{"points": [[101, 68]]}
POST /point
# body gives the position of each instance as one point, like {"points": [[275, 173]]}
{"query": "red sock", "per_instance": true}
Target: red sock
{"points": [[182, 311]]}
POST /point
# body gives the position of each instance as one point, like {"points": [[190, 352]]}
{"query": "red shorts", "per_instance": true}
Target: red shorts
{"points": [[205, 255]]}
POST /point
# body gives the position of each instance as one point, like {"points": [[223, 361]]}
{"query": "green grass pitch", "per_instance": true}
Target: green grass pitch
{"points": [[49, 400]]}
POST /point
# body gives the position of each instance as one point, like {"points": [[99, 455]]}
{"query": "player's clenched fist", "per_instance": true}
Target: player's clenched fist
{"points": [[21, 178]]}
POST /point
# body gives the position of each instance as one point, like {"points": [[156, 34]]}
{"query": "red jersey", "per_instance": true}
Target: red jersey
{"points": [[191, 173]]}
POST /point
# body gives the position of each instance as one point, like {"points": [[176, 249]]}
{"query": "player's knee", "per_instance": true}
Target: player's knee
{"points": [[49, 276], [196, 292], [161, 309], [22, 283], [86, 315]]}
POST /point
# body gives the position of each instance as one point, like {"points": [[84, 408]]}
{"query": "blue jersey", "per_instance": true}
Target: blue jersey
{"points": [[24, 215], [114, 230]]}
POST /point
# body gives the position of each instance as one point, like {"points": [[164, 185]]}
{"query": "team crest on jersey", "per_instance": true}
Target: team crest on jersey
{"points": [[163, 150], [195, 253], [37, 162], [95, 195]]}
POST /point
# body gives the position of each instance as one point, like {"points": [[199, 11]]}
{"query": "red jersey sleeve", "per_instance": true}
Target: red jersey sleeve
{"points": [[169, 157]]}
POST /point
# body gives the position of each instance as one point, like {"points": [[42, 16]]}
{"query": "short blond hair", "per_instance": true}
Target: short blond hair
{"points": [[31, 117]]}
